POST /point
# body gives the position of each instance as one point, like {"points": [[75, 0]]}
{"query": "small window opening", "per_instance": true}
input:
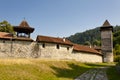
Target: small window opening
{"points": [[68, 48], [43, 45], [58, 47], [3, 41]]}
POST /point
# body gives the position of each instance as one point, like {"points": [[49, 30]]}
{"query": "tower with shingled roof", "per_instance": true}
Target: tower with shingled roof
{"points": [[23, 30], [107, 41]]}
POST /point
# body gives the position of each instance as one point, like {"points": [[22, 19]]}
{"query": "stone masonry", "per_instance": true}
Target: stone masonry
{"points": [[27, 49]]}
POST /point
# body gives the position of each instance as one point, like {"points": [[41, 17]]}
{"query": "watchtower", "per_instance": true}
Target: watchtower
{"points": [[23, 30], [107, 41]]}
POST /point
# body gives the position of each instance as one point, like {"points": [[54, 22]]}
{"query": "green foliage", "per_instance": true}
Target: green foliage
{"points": [[87, 43], [118, 64], [89, 35], [116, 28], [6, 27], [113, 74], [116, 38], [117, 58], [116, 41], [117, 49], [93, 36], [96, 42]]}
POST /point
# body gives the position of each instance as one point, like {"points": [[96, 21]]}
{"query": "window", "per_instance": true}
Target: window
{"points": [[3, 41], [43, 45], [68, 48], [58, 47]]}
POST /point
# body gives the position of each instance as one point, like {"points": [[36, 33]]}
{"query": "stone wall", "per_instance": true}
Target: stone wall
{"points": [[25, 49], [5, 48], [86, 57], [21, 49], [51, 51]]}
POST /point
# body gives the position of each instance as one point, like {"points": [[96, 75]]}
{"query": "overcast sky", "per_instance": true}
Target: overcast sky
{"points": [[60, 18]]}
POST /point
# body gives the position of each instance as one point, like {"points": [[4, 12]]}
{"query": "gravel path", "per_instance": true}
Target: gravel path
{"points": [[94, 74]]}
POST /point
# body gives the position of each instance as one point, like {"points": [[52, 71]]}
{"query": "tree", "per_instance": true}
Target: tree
{"points": [[117, 53], [96, 42], [87, 43], [117, 49], [6, 27]]}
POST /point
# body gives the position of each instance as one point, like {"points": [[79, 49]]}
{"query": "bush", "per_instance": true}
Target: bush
{"points": [[118, 67], [117, 58], [118, 64]]}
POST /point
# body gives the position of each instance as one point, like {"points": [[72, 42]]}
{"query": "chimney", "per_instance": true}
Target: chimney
{"points": [[90, 46], [63, 39]]}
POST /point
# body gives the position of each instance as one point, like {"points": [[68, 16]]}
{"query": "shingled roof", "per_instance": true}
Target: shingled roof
{"points": [[106, 26], [82, 48], [106, 23], [23, 27], [48, 39], [24, 24]]}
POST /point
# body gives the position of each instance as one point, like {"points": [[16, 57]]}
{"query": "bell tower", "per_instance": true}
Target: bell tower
{"points": [[107, 41]]}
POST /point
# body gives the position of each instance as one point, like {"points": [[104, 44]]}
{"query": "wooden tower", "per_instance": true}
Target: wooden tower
{"points": [[107, 41], [23, 30]]}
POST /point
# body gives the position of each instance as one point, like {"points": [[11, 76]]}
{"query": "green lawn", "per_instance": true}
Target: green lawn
{"points": [[36, 69], [113, 73]]}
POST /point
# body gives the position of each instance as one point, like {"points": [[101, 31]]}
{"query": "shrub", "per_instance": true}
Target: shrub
{"points": [[117, 58], [118, 64]]}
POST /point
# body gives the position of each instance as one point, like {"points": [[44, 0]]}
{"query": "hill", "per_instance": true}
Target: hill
{"points": [[89, 37]]}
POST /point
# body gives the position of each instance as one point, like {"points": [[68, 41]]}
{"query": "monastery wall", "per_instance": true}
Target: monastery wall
{"points": [[5, 48], [51, 51], [86, 57], [21, 49], [25, 49]]}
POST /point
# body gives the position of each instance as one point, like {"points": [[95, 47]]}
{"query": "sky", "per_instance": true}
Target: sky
{"points": [[60, 18]]}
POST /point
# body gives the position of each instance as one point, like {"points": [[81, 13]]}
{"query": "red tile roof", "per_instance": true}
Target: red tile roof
{"points": [[82, 48], [48, 39], [8, 36], [5, 35]]}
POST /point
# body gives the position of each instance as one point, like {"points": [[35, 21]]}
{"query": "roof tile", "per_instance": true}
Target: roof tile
{"points": [[24, 24], [106, 23], [82, 48], [5, 35], [48, 39]]}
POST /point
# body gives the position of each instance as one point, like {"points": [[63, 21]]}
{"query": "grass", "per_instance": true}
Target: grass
{"points": [[36, 69], [113, 74]]}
